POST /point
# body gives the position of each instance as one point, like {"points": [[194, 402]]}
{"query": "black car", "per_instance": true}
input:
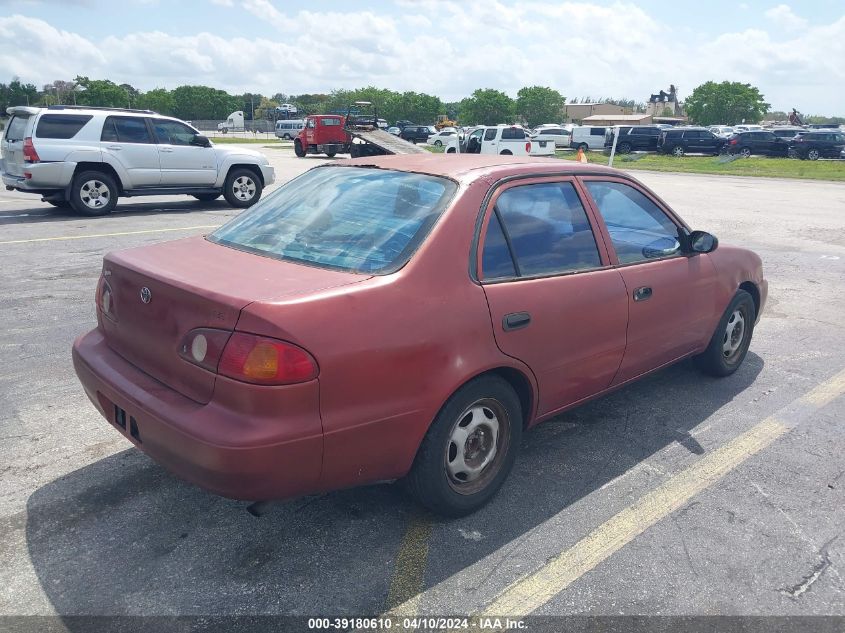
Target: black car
{"points": [[633, 138], [787, 133], [416, 133], [689, 140], [757, 142], [813, 145]]}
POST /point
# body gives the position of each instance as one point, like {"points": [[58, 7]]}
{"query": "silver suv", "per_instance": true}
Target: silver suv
{"points": [[85, 158]]}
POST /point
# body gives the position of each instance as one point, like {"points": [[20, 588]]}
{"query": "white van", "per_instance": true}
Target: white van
{"points": [[587, 137], [289, 128]]}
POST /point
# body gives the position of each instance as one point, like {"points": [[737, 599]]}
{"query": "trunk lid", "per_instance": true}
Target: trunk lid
{"points": [[193, 283], [17, 129]]}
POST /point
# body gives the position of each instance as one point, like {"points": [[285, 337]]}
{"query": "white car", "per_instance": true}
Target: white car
{"points": [[85, 158], [747, 128], [508, 140], [442, 137], [587, 137], [722, 131], [560, 136]]}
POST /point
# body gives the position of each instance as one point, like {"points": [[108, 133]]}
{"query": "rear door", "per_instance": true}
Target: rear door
{"points": [[670, 295], [182, 161], [554, 301], [128, 142], [17, 129]]}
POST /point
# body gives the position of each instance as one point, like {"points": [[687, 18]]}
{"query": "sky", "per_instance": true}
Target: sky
{"points": [[793, 52]]}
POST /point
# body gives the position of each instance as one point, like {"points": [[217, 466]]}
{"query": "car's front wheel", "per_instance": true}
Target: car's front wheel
{"points": [[730, 341], [93, 193], [469, 448], [242, 188], [298, 149]]}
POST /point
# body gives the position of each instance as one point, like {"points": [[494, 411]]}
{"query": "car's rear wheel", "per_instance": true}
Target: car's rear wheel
{"points": [[813, 154], [206, 197], [331, 154], [745, 152], [730, 341], [506, 152], [469, 448], [438, 143], [583, 147], [624, 148], [298, 149], [678, 151], [93, 193], [242, 188]]}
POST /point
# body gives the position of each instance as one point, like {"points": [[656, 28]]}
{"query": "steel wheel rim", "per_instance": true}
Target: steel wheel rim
{"points": [[94, 194], [734, 336], [244, 188], [477, 444]]}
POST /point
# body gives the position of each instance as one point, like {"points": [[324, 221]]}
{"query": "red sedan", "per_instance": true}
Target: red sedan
{"points": [[405, 316]]}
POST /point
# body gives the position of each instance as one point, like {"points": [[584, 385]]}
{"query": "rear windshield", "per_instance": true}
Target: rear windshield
{"points": [[354, 219], [61, 125], [17, 128]]}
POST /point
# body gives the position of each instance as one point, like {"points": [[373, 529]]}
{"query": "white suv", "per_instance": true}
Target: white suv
{"points": [[85, 158]]}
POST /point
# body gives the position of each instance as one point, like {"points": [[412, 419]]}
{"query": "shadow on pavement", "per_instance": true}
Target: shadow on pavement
{"points": [[123, 536], [125, 207]]}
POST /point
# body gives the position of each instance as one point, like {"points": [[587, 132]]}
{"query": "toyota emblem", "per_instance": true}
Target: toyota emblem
{"points": [[146, 295]]}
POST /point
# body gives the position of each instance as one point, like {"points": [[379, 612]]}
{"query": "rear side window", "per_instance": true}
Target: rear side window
{"points": [[60, 125], [547, 228], [124, 129], [329, 121], [354, 219], [513, 134], [16, 130], [597, 131], [496, 260]]}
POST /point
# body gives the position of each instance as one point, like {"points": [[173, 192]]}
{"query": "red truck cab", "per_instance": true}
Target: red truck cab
{"points": [[322, 134]]}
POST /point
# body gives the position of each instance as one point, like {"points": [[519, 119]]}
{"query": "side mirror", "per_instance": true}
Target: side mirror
{"points": [[702, 242], [201, 141]]}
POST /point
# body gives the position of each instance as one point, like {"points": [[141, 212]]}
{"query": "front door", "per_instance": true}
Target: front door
{"points": [[127, 144], [670, 293], [554, 301], [182, 162]]}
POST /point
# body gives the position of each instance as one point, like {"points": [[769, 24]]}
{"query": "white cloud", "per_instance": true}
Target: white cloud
{"points": [[783, 16], [449, 48]]}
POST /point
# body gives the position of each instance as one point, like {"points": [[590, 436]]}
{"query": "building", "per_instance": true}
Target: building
{"points": [[577, 112], [618, 119], [664, 107]]}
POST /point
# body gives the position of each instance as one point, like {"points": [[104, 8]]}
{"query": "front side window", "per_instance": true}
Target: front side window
{"points": [[124, 129], [311, 123], [490, 134], [548, 231], [638, 228], [173, 133], [62, 126], [352, 219]]}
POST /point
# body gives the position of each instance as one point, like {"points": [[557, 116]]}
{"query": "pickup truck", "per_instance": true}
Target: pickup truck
{"points": [[501, 139]]}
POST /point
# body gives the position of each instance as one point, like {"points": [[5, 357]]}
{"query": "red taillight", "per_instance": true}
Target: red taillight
{"points": [[528, 147], [29, 153], [733, 141], [266, 361], [204, 346]]}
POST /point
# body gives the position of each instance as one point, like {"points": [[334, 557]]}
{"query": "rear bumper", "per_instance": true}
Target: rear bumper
{"points": [[269, 447], [43, 177]]}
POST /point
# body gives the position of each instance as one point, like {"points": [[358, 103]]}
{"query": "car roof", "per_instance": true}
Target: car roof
{"points": [[470, 167]]}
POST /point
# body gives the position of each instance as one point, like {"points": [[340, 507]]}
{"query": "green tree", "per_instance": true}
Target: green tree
{"points": [[728, 102], [309, 103], [158, 100], [202, 102], [487, 107], [16, 93], [539, 105], [102, 93], [265, 109]]}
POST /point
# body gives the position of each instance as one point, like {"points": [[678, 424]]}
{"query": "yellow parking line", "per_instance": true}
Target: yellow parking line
{"points": [[531, 592], [408, 579], [83, 237]]}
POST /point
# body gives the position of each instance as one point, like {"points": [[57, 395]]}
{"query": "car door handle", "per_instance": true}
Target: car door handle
{"points": [[169, 150], [516, 320], [641, 294], [114, 148]]}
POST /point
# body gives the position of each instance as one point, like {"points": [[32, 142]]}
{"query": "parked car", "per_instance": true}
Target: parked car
{"points": [[587, 137], [442, 137], [821, 126], [557, 135], [417, 133], [757, 142], [402, 123], [86, 158], [787, 133], [722, 131], [501, 139], [288, 129], [394, 130], [747, 127], [689, 140], [633, 138], [247, 373], [813, 145]]}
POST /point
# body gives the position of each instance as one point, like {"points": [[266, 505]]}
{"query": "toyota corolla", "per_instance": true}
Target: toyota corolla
{"points": [[405, 317]]}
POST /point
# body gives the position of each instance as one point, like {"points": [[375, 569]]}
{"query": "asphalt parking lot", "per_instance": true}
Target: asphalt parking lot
{"points": [[679, 495]]}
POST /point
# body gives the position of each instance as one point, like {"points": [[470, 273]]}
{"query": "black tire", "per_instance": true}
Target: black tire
{"points": [[248, 186], [813, 154], [624, 148], [506, 152], [414, 141], [438, 143], [331, 154], [714, 360], [82, 193], [298, 149], [583, 147], [60, 204], [206, 197], [745, 152], [678, 151], [451, 150], [431, 481]]}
